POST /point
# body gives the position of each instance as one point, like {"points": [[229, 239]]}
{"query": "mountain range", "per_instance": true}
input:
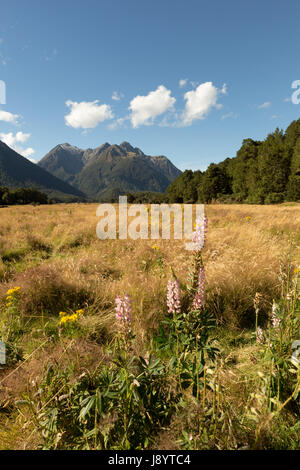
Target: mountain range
{"points": [[109, 169], [69, 173], [18, 172]]}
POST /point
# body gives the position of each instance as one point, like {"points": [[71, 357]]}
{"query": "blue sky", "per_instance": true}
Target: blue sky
{"points": [[188, 79]]}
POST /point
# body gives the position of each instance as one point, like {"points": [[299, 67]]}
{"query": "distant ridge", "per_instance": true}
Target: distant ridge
{"points": [[109, 169], [18, 172]]}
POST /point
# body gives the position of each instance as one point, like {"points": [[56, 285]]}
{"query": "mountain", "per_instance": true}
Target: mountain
{"points": [[18, 172], [109, 169], [64, 162]]}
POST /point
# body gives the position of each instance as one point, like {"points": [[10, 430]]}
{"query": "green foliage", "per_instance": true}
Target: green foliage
{"points": [[121, 406], [22, 196], [265, 172], [184, 188], [213, 184], [11, 326]]}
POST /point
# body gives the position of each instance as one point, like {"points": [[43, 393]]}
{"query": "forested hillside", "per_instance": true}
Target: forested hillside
{"points": [[22, 196], [263, 172]]}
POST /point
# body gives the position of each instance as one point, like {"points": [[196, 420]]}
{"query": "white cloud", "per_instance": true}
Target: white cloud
{"points": [[117, 123], [8, 117], [266, 104], [87, 114], [117, 96], [22, 137], [26, 152], [200, 101], [229, 115], [13, 141], [183, 82], [224, 89], [144, 109]]}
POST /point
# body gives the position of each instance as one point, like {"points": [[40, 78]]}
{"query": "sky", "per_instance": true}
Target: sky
{"points": [[189, 79]]}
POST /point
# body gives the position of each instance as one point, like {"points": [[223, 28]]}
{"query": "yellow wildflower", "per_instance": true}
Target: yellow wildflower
{"points": [[65, 318], [13, 290]]}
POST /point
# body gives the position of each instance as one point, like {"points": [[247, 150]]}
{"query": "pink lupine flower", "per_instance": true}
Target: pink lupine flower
{"points": [[260, 335], [274, 317], [198, 300], [173, 296], [199, 235], [123, 309]]}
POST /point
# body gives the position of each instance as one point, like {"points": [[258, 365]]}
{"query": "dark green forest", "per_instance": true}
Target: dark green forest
{"points": [[22, 196], [263, 172]]}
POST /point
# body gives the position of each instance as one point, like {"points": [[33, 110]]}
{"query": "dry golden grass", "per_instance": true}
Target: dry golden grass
{"points": [[53, 253]]}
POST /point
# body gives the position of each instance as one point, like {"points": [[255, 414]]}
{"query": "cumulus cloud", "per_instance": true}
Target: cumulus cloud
{"points": [[13, 141], [87, 114], [266, 104], [144, 109], [183, 82], [9, 117], [200, 101], [117, 96]]}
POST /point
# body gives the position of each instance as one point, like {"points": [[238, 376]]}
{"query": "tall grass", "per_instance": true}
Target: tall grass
{"points": [[245, 397]]}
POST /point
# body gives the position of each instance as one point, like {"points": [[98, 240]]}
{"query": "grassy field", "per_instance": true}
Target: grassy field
{"points": [[201, 381]]}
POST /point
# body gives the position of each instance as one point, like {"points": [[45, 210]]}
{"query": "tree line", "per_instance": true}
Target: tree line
{"points": [[22, 196], [262, 172]]}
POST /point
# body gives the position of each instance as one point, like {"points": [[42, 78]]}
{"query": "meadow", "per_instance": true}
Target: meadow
{"points": [[220, 377]]}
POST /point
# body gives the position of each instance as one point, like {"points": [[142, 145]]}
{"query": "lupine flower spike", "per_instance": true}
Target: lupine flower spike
{"points": [[274, 317], [123, 310], [198, 301], [173, 296], [260, 335], [199, 235]]}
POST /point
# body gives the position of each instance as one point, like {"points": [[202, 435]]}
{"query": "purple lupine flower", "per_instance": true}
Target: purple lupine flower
{"points": [[173, 296], [199, 235], [123, 310], [260, 335], [198, 300], [274, 317]]}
